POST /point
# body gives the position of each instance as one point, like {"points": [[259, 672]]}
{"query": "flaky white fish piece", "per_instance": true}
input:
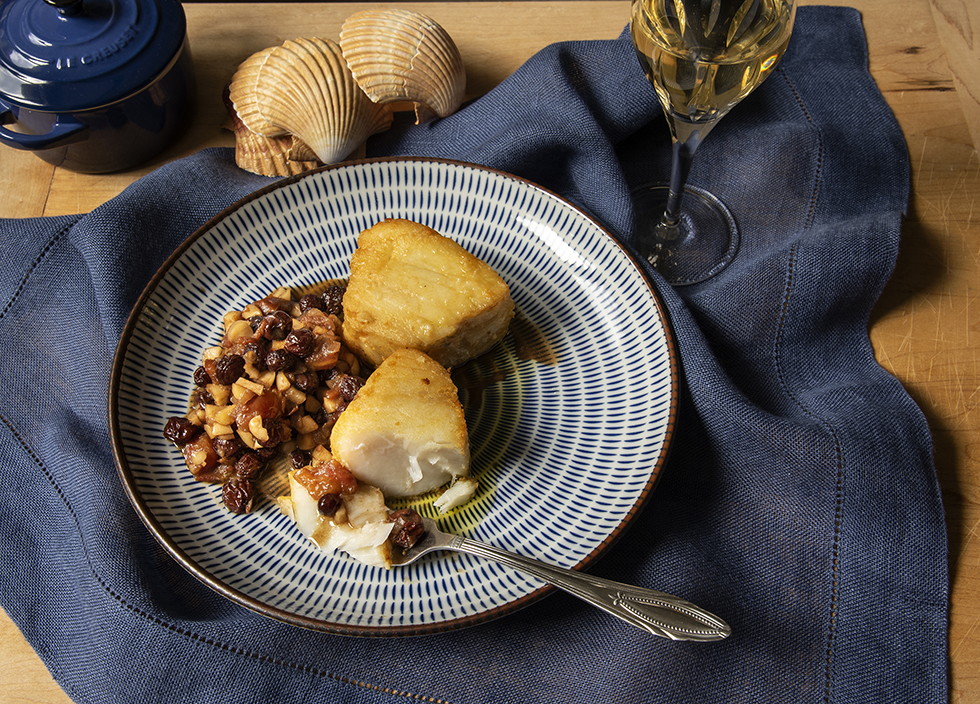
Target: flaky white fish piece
{"points": [[360, 527], [412, 287], [404, 432]]}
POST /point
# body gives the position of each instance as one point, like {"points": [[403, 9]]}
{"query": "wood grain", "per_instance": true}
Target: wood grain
{"points": [[925, 327], [958, 26], [925, 56]]}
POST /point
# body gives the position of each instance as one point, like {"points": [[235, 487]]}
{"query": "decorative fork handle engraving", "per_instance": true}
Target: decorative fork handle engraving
{"points": [[655, 612]]}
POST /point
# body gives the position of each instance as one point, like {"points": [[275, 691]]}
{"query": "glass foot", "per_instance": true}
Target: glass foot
{"points": [[699, 247]]}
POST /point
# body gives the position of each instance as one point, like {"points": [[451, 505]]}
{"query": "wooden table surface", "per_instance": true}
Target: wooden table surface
{"points": [[925, 57]]}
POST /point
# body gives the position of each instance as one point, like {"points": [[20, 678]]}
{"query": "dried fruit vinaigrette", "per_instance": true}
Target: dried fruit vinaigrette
{"points": [[277, 382]]}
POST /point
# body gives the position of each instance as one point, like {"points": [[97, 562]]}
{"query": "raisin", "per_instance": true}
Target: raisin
{"points": [[213, 474], [248, 466], [227, 446], [280, 361], [202, 397], [299, 458], [237, 495], [299, 342], [277, 325], [310, 300], [229, 368], [256, 345], [180, 431], [333, 300], [306, 382], [408, 527], [328, 504], [349, 385], [320, 415], [272, 304], [265, 453], [274, 428], [201, 377]]}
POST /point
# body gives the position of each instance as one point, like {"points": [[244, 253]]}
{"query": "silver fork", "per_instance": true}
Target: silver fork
{"points": [[655, 612]]}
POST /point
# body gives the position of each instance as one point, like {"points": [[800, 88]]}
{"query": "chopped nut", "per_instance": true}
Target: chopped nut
{"points": [[237, 330], [321, 454], [255, 388], [307, 441], [240, 394], [257, 430], [294, 395], [198, 457], [230, 317], [223, 415], [283, 292], [305, 424], [331, 403], [213, 352], [220, 393], [267, 379], [247, 439], [218, 430]]}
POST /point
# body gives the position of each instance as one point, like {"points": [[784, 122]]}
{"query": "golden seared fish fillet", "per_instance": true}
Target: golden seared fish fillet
{"points": [[404, 432], [412, 287]]}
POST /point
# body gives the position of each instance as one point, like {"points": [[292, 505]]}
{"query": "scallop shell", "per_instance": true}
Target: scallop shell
{"points": [[304, 88], [267, 156], [245, 99], [400, 55]]}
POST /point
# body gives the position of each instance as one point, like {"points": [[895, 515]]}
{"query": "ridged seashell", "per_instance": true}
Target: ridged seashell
{"points": [[245, 99], [267, 156], [304, 88], [400, 55]]}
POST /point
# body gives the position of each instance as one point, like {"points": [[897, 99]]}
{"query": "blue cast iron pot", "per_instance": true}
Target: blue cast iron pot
{"points": [[94, 85]]}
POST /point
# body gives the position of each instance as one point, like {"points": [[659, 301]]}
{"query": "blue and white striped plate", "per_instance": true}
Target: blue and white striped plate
{"points": [[569, 417]]}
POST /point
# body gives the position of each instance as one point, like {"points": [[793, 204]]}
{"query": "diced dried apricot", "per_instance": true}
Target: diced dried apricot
{"points": [[330, 477]]}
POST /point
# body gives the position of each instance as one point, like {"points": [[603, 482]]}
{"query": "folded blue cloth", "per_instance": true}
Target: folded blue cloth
{"points": [[799, 503]]}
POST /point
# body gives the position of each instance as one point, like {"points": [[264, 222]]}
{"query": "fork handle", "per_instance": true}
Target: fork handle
{"points": [[655, 612]]}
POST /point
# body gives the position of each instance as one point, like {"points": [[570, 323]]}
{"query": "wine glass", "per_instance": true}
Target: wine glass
{"points": [[702, 57]]}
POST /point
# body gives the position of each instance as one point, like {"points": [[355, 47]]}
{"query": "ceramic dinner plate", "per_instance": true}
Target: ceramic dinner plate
{"points": [[570, 416]]}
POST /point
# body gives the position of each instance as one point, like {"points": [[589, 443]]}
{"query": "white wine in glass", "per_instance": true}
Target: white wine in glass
{"points": [[702, 57]]}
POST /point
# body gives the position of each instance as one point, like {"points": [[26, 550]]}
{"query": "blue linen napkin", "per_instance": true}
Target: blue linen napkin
{"points": [[800, 501]]}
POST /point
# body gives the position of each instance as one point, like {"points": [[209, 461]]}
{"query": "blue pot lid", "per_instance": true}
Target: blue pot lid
{"points": [[71, 55]]}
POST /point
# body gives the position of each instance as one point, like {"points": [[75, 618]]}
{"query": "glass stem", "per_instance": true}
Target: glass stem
{"points": [[680, 167]]}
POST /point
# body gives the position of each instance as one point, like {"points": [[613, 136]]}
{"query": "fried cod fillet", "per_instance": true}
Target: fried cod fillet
{"points": [[412, 287], [404, 432]]}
